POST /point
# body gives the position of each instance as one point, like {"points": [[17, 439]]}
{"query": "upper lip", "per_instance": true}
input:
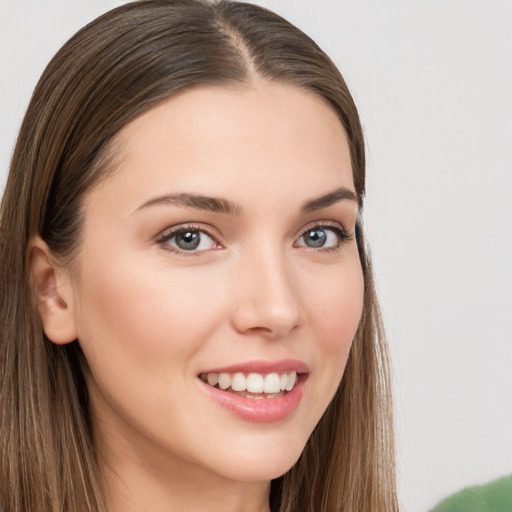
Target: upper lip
{"points": [[280, 366]]}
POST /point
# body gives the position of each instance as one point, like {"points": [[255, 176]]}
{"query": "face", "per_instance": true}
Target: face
{"points": [[218, 262]]}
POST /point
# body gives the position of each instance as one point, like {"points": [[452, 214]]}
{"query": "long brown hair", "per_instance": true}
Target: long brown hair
{"points": [[110, 72]]}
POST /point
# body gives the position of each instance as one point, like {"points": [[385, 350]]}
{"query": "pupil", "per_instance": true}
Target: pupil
{"points": [[316, 238], [188, 240]]}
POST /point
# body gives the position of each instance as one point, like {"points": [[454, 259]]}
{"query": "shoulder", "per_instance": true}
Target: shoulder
{"points": [[495, 496]]}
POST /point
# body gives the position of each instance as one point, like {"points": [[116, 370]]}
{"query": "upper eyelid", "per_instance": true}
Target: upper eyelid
{"points": [[325, 224], [170, 231]]}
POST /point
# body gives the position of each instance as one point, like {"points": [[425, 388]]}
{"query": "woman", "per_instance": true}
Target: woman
{"points": [[189, 320]]}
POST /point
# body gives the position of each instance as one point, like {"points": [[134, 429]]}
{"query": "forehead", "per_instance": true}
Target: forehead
{"points": [[267, 139]]}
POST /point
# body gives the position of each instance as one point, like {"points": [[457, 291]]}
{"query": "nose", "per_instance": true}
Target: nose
{"points": [[267, 297]]}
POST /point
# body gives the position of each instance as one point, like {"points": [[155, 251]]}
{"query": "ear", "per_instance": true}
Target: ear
{"points": [[53, 291]]}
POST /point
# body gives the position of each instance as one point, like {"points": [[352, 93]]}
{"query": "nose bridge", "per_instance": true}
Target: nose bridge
{"points": [[267, 299]]}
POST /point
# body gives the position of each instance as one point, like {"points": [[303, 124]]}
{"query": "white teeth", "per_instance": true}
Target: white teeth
{"points": [[213, 378], [224, 380], [255, 383], [292, 378], [272, 384], [238, 382]]}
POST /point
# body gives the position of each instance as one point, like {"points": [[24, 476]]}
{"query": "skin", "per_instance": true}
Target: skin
{"points": [[151, 317]]}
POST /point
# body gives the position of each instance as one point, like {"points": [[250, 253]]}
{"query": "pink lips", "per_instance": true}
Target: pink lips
{"points": [[283, 365], [265, 410]]}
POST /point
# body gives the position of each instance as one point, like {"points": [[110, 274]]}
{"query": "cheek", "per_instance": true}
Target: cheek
{"points": [[335, 312], [336, 309], [140, 331], [135, 320], [133, 300]]}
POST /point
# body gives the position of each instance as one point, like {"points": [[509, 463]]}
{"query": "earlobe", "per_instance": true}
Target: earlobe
{"points": [[53, 293]]}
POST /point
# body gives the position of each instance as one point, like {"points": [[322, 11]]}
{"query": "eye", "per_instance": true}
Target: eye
{"points": [[187, 239], [323, 237]]}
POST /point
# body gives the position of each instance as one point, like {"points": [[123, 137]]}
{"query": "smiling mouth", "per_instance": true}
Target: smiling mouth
{"points": [[253, 385]]}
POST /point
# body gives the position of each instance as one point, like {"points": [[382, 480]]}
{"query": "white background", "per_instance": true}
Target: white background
{"points": [[433, 82]]}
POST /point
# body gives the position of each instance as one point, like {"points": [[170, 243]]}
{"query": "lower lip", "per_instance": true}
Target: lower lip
{"points": [[264, 410]]}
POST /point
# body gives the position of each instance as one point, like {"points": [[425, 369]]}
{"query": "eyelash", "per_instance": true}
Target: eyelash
{"points": [[170, 233], [342, 234]]}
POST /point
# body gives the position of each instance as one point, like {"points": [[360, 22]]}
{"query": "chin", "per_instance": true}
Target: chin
{"points": [[263, 463], [260, 472]]}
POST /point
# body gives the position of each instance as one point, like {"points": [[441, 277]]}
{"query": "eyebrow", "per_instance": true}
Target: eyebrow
{"points": [[200, 202], [219, 205], [340, 194]]}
